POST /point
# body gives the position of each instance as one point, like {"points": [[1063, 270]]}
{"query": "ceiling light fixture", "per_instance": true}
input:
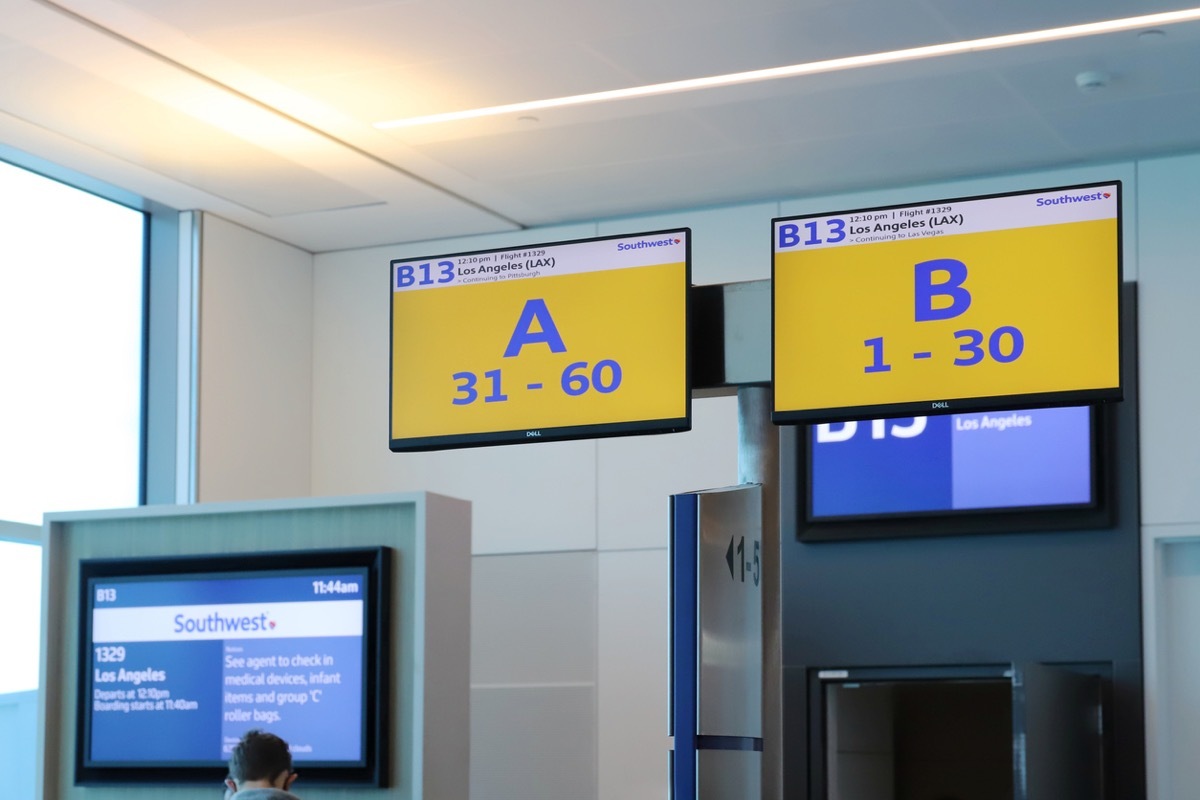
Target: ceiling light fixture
{"points": [[1092, 81], [813, 67]]}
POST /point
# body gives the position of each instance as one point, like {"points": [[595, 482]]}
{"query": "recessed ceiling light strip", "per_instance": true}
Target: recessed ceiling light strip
{"points": [[813, 67]]}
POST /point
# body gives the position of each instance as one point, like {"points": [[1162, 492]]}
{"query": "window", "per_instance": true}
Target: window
{"points": [[20, 588], [21, 597], [72, 311], [72, 269]]}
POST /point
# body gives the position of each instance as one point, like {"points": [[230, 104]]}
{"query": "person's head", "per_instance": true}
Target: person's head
{"points": [[261, 760]]}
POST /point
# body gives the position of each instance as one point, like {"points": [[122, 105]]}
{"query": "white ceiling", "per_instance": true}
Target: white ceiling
{"points": [[261, 111]]}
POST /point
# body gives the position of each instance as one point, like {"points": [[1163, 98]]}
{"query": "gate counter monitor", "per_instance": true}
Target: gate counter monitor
{"points": [[979, 303], [978, 472], [554, 341], [179, 657]]}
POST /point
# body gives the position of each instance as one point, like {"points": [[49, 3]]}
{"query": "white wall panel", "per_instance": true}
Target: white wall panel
{"points": [[533, 743], [1177, 732], [533, 676], [255, 376], [638, 474], [633, 742], [1168, 296], [533, 619], [524, 498]]}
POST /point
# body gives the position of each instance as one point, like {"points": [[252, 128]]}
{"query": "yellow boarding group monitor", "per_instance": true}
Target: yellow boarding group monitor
{"points": [[561, 340], [991, 302]]}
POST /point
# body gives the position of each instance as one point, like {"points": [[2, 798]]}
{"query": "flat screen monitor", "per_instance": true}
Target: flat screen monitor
{"points": [[976, 303], [179, 657], [976, 472], [562, 340]]}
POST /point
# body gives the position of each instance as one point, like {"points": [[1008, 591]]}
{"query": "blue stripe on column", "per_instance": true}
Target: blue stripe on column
{"points": [[683, 647]]}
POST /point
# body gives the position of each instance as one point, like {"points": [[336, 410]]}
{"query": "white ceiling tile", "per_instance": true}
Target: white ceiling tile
{"points": [[871, 158], [632, 141], [828, 110], [217, 14], [1136, 69], [581, 20], [971, 20], [358, 39], [1106, 130], [131, 127], [323, 70], [699, 47], [348, 229], [470, 81]]}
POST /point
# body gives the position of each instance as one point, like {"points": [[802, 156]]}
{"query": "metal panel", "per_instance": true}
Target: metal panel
{"points": [[728, 774], [1057, 729], [730, 613]]}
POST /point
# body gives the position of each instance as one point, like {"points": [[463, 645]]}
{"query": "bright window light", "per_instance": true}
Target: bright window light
{"points": [[71, 274], [813, 67], [21, 593]]}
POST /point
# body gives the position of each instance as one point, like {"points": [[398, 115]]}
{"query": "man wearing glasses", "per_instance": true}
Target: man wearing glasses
{"points": [[260, 768]]}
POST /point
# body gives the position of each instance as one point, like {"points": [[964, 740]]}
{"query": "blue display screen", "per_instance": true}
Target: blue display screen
{"points": [[961, 462], [180, 667]]}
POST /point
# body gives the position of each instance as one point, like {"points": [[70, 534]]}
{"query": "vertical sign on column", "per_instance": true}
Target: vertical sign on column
{"points": [[716, 644]]}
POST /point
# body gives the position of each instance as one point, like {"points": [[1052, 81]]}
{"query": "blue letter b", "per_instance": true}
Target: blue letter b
{"points": [[952, 287]]}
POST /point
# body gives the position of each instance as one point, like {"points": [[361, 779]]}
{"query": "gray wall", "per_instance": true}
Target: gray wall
{"points": [[1066, 597], [1169, 293]]}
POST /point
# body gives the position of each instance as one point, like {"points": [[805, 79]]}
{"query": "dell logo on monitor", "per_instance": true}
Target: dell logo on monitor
{"points": [[827, 434]]}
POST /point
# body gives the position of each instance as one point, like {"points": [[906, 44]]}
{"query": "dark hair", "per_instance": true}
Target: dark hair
{"points": [[259, 756]]}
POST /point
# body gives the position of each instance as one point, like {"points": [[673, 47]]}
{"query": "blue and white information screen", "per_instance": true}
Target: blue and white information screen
{"points": [[915, 465], [181, 667]]}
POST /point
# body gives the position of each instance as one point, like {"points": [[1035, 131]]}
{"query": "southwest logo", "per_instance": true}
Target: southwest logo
{"points": [[648, 243], [216, 623], [1067, 199]]}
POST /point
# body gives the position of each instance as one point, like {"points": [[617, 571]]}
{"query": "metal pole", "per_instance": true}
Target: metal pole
{"points": [[758, 462]]}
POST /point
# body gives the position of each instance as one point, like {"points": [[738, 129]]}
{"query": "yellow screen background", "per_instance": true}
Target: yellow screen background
{"points": [[1060, 291], [634, 316]]}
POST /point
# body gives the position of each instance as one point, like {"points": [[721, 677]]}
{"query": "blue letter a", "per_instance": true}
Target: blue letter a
{"points": [[535, 310]]}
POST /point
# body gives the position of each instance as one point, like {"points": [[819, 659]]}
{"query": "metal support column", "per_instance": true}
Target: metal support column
{"points": [[758, 462]]}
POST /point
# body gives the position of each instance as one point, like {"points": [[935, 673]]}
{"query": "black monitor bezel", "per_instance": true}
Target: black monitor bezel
{"points": [[1098, 514], [554, 433], [373, 768]]}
